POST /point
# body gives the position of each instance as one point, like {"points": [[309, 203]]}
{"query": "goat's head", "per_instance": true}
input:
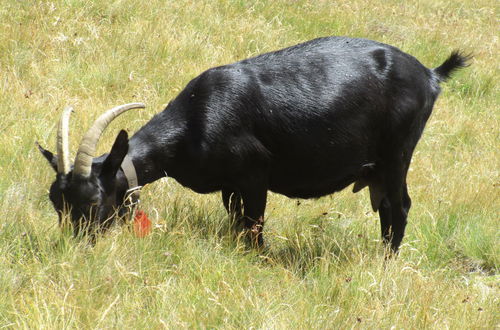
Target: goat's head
{"points": [[90, 193]]}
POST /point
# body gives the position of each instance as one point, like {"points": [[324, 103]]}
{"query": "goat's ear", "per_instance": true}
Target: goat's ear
{"points": [[49, 156], [116, 155]]}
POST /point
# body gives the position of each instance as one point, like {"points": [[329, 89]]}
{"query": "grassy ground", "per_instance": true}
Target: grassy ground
{"points": [[325, 265]]}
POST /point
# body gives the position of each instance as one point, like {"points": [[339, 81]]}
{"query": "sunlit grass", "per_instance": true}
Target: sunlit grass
{"points": [[324, 265]]}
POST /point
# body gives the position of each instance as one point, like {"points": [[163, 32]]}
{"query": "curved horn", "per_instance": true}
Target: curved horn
{"points": [[87, 149], [63, 165]]}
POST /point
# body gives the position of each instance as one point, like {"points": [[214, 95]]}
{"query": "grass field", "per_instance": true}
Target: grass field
{"points": [[325, 266]]}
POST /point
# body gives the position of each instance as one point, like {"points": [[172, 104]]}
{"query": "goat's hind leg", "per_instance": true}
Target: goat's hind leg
{"points": [[400, 206], [385, 214], [394, 206]]}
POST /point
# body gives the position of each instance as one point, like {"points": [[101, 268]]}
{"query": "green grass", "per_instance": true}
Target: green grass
{"points": [[324, 266]]}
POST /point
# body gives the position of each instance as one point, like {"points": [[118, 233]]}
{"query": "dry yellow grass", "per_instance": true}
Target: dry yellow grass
{"points": [[321, 271]]}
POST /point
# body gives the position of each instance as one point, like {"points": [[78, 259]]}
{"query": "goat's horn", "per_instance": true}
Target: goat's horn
{"points": [[63, 165], [87, 149]]}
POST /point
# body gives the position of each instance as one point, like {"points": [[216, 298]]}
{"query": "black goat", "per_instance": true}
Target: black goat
{"points": [[305, 122]]}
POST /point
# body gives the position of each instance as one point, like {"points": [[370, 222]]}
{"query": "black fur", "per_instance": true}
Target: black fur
{"points": [[305, 121], [454, 62]]}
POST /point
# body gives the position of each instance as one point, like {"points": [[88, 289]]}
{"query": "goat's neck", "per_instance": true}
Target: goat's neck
{"points": [[146, 167], [152, 150]]}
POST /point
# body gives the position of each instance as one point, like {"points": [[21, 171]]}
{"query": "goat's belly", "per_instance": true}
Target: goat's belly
{"points": [[312, 188], [315, 177]]}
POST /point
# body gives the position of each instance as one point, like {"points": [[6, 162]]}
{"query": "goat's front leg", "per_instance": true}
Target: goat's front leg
{"points": [[254, 202], [232, 202]]}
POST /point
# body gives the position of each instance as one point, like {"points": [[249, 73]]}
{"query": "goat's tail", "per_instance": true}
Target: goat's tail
{"points": [[457, 60]]}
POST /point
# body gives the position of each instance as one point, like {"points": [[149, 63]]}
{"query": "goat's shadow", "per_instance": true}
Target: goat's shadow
{"points": [[299, 252]]}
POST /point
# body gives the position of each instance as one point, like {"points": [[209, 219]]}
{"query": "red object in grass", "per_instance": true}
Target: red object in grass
{"points": [[142, 225]]}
